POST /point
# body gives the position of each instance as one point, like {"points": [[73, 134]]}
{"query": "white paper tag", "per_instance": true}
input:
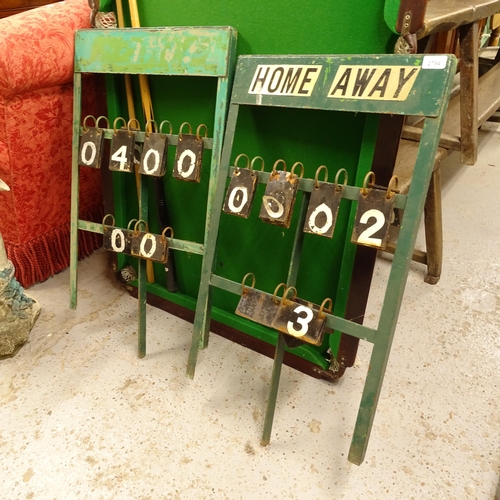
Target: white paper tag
{"points": [[434, 62]]}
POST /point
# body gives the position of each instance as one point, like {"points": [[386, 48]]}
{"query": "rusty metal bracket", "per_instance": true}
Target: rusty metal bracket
{"points": [[407, 42]]}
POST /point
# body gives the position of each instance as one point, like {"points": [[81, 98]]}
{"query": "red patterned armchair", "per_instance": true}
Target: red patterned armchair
{"points": [[36, 99]]}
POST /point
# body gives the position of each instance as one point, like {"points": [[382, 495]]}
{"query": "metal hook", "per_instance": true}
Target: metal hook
{"points": [[285, 295], [236, 168], [85, 129], [106, 216], [322, 307], [114, 124], [153, 128], [198, 137], [164, 235], [243, 290], [293, 169], [337, 176], [129, 122], [367, 183], [99, 119], [128, 225], [262, 163], [136, 231], [182, 126], [276, 163], [276, 291], [392, 189], [316, 182], [161, 125]]}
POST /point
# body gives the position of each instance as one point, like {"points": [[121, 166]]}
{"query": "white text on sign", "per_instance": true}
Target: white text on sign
{"points": [[285, 79], [382, 83]]}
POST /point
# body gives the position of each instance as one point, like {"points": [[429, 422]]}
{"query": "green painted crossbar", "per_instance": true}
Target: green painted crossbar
{"points": [[403, 85], [174, 51]]}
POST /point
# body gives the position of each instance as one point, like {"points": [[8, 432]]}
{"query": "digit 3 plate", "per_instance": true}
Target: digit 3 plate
{"points": [[293, 342], [300, 319]]}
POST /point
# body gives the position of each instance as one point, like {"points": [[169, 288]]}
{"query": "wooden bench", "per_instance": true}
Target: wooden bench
{"points": [[432, 257], [478, 98], [476, 101]]}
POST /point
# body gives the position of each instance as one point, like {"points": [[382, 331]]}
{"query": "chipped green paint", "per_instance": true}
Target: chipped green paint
{"points": [[165, 52], [247, 90], [162, 51]]}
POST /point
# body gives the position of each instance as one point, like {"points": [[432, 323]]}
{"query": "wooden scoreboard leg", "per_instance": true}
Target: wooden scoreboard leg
{"points": [[214, 206], [75, 190], [216, 188], [395, 289], [273, 392], [142, 273], [293, 271]]}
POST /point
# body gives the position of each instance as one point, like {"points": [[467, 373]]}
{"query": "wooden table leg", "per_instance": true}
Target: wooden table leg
{"points": [[434, 229], [469, 66]]}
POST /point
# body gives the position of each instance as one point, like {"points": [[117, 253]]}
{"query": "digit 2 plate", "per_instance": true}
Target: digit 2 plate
{"points": [[373, 217]]}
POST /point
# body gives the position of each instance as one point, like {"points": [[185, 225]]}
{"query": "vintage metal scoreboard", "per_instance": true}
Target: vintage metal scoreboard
{"points": [[314, 138], [274, 253]]}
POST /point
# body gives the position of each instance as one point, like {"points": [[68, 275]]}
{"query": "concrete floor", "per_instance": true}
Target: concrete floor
{"points": [[82, 417]]}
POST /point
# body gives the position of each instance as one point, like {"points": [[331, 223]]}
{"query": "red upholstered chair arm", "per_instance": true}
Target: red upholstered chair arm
{"points": [[36, 116], [37, 46]]}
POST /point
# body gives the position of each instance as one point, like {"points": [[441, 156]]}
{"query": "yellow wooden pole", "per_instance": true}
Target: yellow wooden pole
{"points": [[147, 104], [128, 81], [131, 114]]}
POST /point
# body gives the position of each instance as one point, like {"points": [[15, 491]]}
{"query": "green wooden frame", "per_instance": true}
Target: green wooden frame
{"points": [[427, 97], [199, 51]]}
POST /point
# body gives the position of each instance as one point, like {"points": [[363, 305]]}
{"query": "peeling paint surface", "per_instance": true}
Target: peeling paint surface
{"points": [[187, 51]]}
